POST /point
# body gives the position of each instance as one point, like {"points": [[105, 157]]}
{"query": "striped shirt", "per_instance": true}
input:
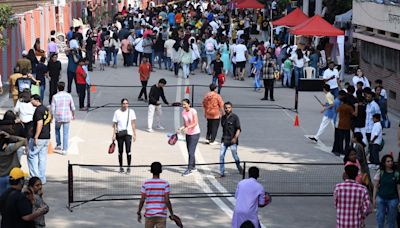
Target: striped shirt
{"points": [[155, 191], [62, 107]]}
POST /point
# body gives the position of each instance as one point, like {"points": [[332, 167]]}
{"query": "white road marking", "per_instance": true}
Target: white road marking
{"points": [[74, 148]]}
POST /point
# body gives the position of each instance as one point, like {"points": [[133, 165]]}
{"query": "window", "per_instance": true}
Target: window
{"points": [[377, 55], [392, 59], [365, 51]]}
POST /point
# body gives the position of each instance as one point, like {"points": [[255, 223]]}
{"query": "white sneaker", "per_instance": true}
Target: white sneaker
{"points": [[150, 130], [214, 143], [160, 127]]}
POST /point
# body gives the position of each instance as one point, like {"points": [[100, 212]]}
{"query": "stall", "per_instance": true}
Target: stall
{"points": [[294, 18]]}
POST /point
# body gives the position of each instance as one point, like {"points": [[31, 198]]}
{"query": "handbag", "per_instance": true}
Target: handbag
{"points": [[124, 133], [111, 148], [172, 139]]}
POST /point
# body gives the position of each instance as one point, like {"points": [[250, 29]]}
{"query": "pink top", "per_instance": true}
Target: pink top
{"points": [[188, 118]]}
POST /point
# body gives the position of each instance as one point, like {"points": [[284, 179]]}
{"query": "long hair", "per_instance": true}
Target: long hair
{"points": [[383, 161], [299, 53]]}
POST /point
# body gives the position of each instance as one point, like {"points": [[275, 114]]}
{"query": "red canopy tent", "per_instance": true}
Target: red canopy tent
{"points": [[316, 26], [294, 18], [249, 4]]}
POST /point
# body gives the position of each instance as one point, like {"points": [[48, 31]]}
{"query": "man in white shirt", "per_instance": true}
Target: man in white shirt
{"points": [[124, 131], [240, 54], [138, 50], [168, 45], [371, 109], [331, 77]]}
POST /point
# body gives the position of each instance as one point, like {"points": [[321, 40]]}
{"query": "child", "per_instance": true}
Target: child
{"points": [[221, 81], [144, 75], [86, 69], [376, 141], [102, 58], [287, 72], [351, 159]]}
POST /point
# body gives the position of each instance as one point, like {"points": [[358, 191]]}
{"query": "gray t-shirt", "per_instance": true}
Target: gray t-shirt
{"points": [[147, 45]]}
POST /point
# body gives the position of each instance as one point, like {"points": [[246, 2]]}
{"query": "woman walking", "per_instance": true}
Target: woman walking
{"points": [[176, 57], [386, 193], [257, 62], [299, 59], [192, 130], [186, 60], [114, 48], [225, 57]]}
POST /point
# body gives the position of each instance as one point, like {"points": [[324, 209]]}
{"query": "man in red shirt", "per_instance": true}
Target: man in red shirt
{"points": [[144, 75], [81, 84]]}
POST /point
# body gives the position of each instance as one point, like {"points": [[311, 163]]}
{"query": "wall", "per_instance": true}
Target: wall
{"points": [[378, 16]]}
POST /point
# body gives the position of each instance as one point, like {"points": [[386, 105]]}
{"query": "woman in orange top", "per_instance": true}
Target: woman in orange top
{"points": [[213, 110], [144, 74]]}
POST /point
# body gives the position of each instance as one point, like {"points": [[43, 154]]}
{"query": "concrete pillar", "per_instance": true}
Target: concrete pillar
{"points": [[305, 6], [318, 7]]}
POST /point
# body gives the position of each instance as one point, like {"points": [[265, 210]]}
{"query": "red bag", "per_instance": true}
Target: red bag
{"points": [[221, 79], [173, 139], [111, 148]]}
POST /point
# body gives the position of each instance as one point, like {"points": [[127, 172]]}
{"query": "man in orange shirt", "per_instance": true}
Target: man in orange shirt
{"points": [[144, 75], [213, 110]]}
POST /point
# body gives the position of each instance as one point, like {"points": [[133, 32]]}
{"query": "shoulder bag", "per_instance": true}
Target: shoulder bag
{"points": [[124, 133]]}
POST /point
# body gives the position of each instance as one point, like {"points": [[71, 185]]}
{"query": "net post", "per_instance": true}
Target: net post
{"points": [[70, 186], [244, 171], [296, 99], [192, 94]]}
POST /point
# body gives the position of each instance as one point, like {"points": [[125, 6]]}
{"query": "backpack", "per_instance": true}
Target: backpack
{"points": [[210, 46]]}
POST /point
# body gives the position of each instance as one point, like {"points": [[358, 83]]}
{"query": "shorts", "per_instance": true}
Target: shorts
{"points": [[241, 64], [102, 61]]}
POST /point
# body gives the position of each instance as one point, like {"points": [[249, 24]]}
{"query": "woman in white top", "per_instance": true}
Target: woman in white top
{"points": [[359, 77], [25, 110], [114, 47], [298, 59], [195, 55]]}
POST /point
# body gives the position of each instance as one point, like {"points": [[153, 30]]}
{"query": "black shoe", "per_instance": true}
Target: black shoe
{"points": [[336, 154], [313, 139], [128, 170], [272, 99], [264, 98], [121, 170]]}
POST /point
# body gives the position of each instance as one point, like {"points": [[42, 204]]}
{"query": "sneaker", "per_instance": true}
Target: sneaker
{"points": [[150, 130], [207, 141], [220, 176], [188, 172], [272, 99], [63, 152], [159, 127], [264, 99], [214, 143], [121, 170], [194, 170], [140, 99], [58, 148], [128, 170], [312, 138]]}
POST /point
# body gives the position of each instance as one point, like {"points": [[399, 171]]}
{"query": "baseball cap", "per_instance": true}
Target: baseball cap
{"points": [[24, 53], [17, 173]]}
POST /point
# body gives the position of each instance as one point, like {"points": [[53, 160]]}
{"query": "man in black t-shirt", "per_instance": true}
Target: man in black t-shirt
{"points": [[230, 137], [37, 156], [15, 208], [217, 66]]}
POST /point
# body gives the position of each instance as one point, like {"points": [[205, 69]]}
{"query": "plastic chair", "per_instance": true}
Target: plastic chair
{"points": [[309, 72]]}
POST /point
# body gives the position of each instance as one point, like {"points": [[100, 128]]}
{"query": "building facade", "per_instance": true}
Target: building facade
{"points": [[377, 30]]}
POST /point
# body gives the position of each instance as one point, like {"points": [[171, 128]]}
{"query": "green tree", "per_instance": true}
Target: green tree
{"points": [[6, 21]]}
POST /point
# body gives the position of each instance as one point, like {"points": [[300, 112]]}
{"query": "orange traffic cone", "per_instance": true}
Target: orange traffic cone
{"points": [[296, 121], [50, 149], [187, 91], [93, 88]]}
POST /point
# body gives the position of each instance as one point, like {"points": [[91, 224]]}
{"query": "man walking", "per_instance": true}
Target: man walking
{"points": [[331, 77], [213, 110], [329, 113], [351, 200], [156, 92], [230, 137], [37, 157], [124, 131], [155, 193], [63, 110], [250, 195]]}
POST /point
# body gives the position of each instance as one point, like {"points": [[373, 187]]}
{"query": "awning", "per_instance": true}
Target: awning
{"points": [[316, 26], [294, 18], [250, 4]]}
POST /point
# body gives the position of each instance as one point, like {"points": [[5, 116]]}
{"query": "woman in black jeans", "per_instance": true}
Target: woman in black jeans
{"points": [[192, 130]]}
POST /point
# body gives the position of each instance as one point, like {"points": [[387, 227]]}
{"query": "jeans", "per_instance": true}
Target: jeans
{"points": [[108, 56], [127, 140], [150, 115], [81, 93], [222, 157], [137, 56], [298, 73], [335, 92], [115, 56], [168, 63], [210, 58], [143, 91], [186, 70], [4, 184], [212, 129], [269, 86], [71, 77], [257, 82], [161, 57], [388, 208], [37, 158], [193, 66], [191, 144], [65, 126], [287, 77], [42, 87]]}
